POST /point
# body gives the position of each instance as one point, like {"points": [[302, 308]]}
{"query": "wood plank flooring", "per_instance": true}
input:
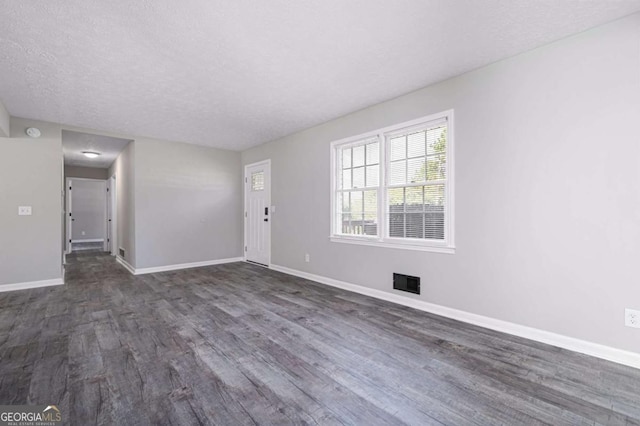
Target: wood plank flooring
{"points": [[238, 344]]}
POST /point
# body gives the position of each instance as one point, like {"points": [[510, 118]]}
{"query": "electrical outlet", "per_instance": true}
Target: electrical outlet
{"points": [[24, 210], [307, 258], [632, 318]]}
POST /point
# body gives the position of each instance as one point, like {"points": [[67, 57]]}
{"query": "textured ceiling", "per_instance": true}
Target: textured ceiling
{"points": [[237, 73], [73, 143]]}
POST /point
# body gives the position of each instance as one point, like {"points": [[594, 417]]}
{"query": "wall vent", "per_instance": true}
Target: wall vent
{"points": [[406, 283], [121, 252]]}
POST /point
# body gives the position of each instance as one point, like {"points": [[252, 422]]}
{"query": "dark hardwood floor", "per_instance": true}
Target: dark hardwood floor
{"points": [[239, 344]]}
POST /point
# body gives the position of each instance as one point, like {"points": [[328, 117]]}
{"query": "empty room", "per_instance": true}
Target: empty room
{"points": [[336, 212]]}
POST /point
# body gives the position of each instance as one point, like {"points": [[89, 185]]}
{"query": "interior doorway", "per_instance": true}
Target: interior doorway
{"points": [[87, 212], [257, 202], [112, 227]]}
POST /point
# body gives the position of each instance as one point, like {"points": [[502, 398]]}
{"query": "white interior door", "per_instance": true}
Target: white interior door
{"points": [[69, 216], [257, 230], [113, 234]]}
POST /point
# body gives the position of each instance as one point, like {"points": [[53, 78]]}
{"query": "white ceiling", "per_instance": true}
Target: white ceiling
{"points": [[73, 143], [237, 73]]}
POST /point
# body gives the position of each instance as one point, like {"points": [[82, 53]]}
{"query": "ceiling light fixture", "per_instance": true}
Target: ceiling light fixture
{"points": [[33, 132], [90, 154]]}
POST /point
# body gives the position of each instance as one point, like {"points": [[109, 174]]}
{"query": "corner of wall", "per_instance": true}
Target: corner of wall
{"points": [[31, 173], [5, 122]]}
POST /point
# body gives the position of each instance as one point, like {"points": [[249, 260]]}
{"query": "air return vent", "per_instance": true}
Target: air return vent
{"points": [[406, 283], [121, 252]]}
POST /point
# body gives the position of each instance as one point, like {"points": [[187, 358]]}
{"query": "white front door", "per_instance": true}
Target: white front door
{"points": [[257, 230]]}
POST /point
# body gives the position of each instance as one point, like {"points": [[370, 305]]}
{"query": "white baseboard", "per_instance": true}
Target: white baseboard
{"points": [[31, 284], [124, 263], [608, 353], [176, 267], [96, 240]]}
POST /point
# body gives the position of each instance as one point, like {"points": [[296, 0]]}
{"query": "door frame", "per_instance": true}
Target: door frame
{"points": [[245, 215], [68, 217], [112, 213]]}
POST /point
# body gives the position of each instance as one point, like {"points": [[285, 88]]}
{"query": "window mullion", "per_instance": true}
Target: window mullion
{"points": [[382, 195]]}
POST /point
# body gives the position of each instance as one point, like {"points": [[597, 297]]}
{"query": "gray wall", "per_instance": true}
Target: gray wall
{"points": [[89, 204], [124, 169], [86, 172], [547, 190], [31, 175], [188, 203], [5, 121]]}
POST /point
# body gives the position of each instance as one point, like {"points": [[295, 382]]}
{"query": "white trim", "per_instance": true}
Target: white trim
{"points": [[175, 267], [69, 219], [124, 263], [631, 359], [67, 216], [31, 284], [383, 135], [93, 179], [374, 242], [112, 212], [244, 207]]}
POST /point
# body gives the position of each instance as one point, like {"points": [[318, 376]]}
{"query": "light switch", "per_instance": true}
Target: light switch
{"points": [[24, 211]]}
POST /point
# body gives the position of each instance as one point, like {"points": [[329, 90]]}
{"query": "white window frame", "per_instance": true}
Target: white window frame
{"points": [[382, 239]]}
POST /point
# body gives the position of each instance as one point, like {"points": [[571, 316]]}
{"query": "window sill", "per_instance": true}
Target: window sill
{"points": [[403, 246]]}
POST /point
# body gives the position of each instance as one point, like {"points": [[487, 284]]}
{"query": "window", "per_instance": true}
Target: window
{"points": [[257, 181], [394, 187]]}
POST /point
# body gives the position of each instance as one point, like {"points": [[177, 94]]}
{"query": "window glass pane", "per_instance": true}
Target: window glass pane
{"points": [[358, 177], [398, 148], [346, 158], [346, 223], [395, 198], [417, 212], [356, 225], [373, 175], [373, 153], [414, 225], [358, 156], [434, 211], [396, 225], [398, 172], [356, 203], [257, 181], [416, 169], [370, 225], [437, 140], [370, 201], [416, 144], [413, 199], [346, 205], [434, 226], [434, 195], [436, 167], [346, 179]]}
